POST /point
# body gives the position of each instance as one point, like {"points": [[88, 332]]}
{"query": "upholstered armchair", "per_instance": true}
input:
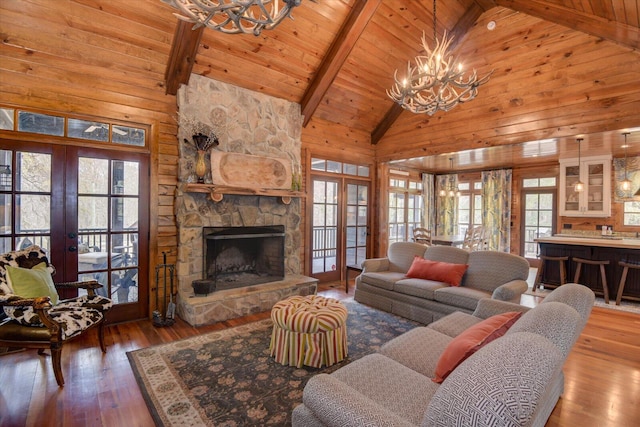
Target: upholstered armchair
{"points": [[32, 315]]}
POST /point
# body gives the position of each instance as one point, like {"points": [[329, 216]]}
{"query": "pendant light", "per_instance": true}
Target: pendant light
{"points": [[579, 186], [625, 184], [450, 190]]}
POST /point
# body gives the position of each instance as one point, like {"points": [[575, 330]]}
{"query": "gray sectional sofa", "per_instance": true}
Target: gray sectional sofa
{"points": [[491, 274], [515, 380]]}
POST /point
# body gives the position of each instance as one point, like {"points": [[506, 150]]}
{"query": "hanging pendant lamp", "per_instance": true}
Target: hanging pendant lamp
{"points": [[579, 186], [625, 184]]}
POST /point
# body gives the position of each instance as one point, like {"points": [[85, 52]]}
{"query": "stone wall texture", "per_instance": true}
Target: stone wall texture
{"points": [[245, 122]]}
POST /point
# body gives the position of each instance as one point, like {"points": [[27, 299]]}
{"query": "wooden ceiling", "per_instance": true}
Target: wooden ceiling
{"points": [[337, 59], [561, 68]]}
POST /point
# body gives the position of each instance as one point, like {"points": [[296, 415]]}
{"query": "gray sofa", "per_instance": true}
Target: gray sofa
{"points": [[515, 380], [491, 274]]}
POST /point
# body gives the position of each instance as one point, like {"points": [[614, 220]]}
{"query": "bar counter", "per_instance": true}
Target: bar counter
{"points": [[610, 248]]}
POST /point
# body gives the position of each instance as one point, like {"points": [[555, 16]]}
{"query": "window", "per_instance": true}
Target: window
{"points": [[49, 124], [405, 207], [339, 167], [538, 212], [631, 214], [469, 205]]}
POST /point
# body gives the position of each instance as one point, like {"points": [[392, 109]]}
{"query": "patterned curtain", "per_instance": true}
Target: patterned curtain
{"points": [[632, 173], [447, 206], [496, 208], [429, 200]]}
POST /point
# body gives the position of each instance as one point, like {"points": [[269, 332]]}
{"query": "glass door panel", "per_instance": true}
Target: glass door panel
{"points": [[357, 223], [324, 239], [539, 219], [108, 217], [87, 209]]}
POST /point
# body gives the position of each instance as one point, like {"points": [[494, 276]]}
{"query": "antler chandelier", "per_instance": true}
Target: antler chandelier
{"points": [[235, 16], [434, 83]]}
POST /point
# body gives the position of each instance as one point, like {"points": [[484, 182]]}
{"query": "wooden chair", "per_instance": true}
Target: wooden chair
{"points": [[475, 239], [561, 268], [603, 273], [623, 279], [36, 322], [422, 235]]}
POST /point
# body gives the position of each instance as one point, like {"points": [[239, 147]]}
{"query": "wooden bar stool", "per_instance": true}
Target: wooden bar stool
{"points": [[623, 278], [561, 262], [603, 274]]}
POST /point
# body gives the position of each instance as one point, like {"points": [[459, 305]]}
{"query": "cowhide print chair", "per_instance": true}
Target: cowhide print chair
{"points": [[34, 317]]}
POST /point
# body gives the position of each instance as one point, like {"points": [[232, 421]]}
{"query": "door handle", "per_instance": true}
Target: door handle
{"points": [[72, 235], [73, 248]]}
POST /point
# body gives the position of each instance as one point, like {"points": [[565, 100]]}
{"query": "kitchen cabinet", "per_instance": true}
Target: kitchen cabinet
{"points": [[595, 199]]}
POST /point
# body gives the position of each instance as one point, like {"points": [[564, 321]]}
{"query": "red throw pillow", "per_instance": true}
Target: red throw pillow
{"points": [[436, 270], [472, 340]]}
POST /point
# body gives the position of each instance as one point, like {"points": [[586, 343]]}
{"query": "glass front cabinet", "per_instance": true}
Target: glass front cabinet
{"points": [[595, 199]]}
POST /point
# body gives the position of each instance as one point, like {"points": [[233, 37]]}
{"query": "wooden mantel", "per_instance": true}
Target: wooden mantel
{"points": [[217, 192]]}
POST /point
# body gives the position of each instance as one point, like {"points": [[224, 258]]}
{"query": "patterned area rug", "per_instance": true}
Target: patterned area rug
{"points": [[628, 306], [227, 378]]}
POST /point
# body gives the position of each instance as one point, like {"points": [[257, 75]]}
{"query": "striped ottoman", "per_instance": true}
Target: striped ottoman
{"points": [[309, 331]]}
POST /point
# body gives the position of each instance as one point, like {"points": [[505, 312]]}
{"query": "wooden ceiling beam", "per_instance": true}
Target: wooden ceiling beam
{"points": [[617, 32], [466, 21], [360, 15], [182, 56]]}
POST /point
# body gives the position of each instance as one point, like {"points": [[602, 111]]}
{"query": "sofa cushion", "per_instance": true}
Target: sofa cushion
{"points": [[447, 254], [382, 279], [490, 269], [418, 287], [389, 384], [471, 340], [501, 385], [460, 296], [401, 255], [455, 323], [437, 271], [418, 349]]}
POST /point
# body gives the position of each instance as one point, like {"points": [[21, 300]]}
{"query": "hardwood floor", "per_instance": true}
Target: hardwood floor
{"points": [[602, 375]]}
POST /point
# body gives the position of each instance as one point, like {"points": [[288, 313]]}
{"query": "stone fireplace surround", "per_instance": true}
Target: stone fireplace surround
{"points": [[250, 123]]}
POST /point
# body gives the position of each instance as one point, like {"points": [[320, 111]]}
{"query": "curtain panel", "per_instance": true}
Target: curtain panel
{"points": [[496, 208], [429, 201], [447, 206]]}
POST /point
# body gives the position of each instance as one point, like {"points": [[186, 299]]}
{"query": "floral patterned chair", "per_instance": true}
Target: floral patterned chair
{"points": [[33, 316]]}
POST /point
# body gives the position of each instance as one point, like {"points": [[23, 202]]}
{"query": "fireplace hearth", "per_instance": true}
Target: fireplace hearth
{"points": [[237, 257]]}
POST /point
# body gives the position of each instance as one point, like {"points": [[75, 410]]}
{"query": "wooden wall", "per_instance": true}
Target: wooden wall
{"points": [[99, 59]]}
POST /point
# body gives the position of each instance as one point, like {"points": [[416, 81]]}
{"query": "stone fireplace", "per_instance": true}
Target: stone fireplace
{"points": [[236, 257], [249, 123]]}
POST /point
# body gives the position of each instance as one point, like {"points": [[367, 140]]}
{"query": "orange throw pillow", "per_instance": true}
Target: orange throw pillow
{"points": [[436, 270], [472, 340]]}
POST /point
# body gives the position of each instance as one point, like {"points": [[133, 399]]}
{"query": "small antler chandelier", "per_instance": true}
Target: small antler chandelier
{"points": [[235, 16], [434, 82]]}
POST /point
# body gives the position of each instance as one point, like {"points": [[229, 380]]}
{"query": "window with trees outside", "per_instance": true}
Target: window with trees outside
{"points": [[631, 214], [469, 205], [538, 212], [405, 206]]}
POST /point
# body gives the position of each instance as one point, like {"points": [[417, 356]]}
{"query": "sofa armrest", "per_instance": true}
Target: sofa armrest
{"points": [[335, 403], [375, 264], [488, 307], [510, 291]]}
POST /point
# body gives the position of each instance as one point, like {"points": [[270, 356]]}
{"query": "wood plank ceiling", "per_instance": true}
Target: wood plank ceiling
{"points": [[561, 69]]}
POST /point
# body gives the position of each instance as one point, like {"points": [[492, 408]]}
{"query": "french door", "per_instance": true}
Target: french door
{"points": [[88, 209], [340, 226]]}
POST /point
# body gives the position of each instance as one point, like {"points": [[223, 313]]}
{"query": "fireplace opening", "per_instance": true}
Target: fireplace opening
{"points": [[243, 256]]}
